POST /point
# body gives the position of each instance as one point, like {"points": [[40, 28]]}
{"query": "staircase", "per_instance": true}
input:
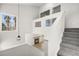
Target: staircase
{"points": [[70, 43]]}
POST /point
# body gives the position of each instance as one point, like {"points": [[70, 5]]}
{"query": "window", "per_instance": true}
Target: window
{"points": [[57, 9], [45, 13], [48, 23], [53, 20], [38, 24]]}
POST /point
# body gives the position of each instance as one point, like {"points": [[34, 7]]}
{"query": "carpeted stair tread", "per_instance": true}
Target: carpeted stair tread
{"points": [[64, 51], [70, 43], [73, 47]]}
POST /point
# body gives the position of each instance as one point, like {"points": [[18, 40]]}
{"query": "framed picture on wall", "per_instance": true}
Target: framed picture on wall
{"points": [[8, 22]]}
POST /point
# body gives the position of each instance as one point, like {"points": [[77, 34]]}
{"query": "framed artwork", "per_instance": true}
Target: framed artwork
{"points": [[8, 23], [38, 24]]}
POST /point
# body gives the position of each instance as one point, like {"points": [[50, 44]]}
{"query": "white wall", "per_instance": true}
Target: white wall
{"points": [[27, 14], [71, 12]]}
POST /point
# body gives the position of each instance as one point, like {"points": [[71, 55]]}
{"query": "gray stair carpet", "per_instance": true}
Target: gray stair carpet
{"points": [[70, 43]]}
